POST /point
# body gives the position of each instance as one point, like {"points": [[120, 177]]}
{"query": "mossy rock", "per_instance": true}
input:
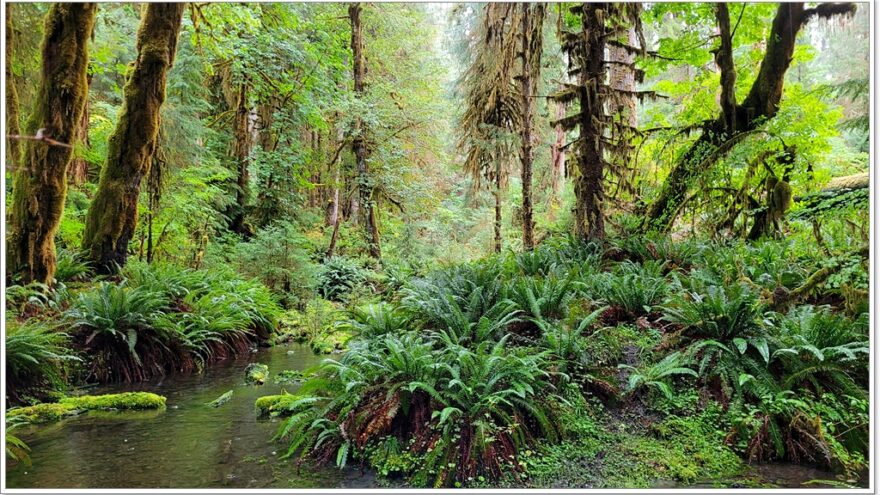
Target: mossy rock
{"points": [[123, 401], [256, 373], [223, 399], [274, 404], [70, 406]]}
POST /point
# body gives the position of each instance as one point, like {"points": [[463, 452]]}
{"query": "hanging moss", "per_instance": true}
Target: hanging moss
{"points": [[40, 184], [112, 216]]}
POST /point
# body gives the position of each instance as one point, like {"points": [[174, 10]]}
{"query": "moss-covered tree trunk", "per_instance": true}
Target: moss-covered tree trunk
{"points": [[13, 116], [79, 167], [359, 143], [761, 104], [241, 152], [40, 184], [112, 216], [589, 187], [498, 181], [532, 20]]}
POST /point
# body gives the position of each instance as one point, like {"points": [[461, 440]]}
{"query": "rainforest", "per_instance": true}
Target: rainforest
{"points": [[437, 245]]}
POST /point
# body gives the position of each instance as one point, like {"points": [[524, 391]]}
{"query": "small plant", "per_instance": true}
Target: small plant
{"points": [[658, 374], [375, 320], [338, 276], [541, 298], [632, 294], [70, 267], [35, 356]]}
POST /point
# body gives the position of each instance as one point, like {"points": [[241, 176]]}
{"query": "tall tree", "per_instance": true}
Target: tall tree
{"points": [[359, 142], [13, 127], [493, 111], [600, 23], [40, 184], [112, 216], [737, 120], [531, 35]]}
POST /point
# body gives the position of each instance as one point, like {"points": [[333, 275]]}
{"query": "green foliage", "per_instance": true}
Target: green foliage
{"points": [[338, 276], [658, 374], [36, 354]]}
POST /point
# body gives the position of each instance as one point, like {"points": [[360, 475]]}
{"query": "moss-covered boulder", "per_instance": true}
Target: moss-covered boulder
{"points": [[69, 406], [256, 373], [274, 404]]}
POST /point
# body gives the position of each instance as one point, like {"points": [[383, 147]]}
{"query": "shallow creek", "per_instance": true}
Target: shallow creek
{"points": [[193, 445], [188, 445]]}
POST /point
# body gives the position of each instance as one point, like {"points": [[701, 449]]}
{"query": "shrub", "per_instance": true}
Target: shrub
{"points": [[118, 328], [462, 413], [821, 351], [375, 320], [338, 276], [35, 356], [70, 267], [541, 298]]}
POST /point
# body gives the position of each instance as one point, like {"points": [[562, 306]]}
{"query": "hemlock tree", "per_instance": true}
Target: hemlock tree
{"points": [[112, 216], [600, 135], [40, 184]]}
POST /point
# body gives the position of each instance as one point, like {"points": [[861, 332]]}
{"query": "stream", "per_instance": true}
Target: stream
{"points": [[193, 445], [188, 445]]}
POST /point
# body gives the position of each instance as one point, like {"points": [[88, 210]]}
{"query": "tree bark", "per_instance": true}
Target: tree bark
{"points": [[724, 58], [13, 115], [358, 144], [79, 167], [498, 208], [532, 23], [589, 188], [40, 184], [557, 156], [112, 216], [241, 151], [761, 103]]}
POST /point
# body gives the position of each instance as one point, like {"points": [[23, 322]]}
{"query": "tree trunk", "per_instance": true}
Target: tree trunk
{"points": [[40, 185], [241, 151], [358, 144], [557, 156], [532, 23], [761, 104], [589, 188], [724, 58], [13, 116], [112, 216], [79, 167], [498, 207]]}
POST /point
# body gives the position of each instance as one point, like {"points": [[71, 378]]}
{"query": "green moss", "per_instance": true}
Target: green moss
{"points": [[123, 401], [256, 373], [42, 413], [679, 450], [223, 399], [273, 404]]}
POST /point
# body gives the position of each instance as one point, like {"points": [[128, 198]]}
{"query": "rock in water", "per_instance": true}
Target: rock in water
{"points": [[256, 373], [223, 399]]}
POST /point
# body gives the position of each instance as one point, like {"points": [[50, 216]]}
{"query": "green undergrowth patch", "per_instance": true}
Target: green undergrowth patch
{"points": [[608, 454]]}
